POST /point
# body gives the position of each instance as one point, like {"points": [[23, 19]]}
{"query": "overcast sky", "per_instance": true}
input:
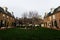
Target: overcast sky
{"points": [[21, 6]]}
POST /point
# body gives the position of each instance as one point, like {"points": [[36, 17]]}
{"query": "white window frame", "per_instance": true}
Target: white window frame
{"points": [[53, 16], [3, 15]]}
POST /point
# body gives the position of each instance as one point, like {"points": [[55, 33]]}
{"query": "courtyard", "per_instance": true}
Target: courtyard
{"points": [[28, 34]]}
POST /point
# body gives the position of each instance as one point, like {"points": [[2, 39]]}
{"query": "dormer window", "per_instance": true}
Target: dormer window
{"points": [[3, 15], [58, 9]]}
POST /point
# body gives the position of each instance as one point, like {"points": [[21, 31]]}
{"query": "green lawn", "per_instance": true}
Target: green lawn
{"points": [[22, 34]]}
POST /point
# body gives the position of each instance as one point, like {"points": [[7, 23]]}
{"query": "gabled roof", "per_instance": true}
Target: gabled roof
{"points": [[57, 9], [54, 12], [49, 14], [9, 14], [1, 9]]}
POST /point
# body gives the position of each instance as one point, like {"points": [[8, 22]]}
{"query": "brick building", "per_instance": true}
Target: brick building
{"points": [[52, 19], [6, 18]]}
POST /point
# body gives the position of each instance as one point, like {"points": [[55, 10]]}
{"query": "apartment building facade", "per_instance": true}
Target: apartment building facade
{"points": [[52, 20], [6, 18]]}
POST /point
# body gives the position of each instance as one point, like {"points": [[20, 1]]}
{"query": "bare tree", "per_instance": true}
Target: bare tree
{"points": [[33, 14], [35, 17], [24, 15], [32, 18], [30, 14]]}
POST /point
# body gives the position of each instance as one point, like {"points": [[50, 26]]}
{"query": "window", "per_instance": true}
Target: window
{"points": [[3, 15], [50, 18], [58, 9], [7, 16], [3, 22], [53, 16]]}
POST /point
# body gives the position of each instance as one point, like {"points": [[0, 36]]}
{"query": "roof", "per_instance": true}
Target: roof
{"points": [[7, 12], [54, 12], [1, 9], [49, 14], [57, 10]]}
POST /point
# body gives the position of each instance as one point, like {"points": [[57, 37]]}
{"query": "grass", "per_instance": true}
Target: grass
{"points": [[22, 34]]}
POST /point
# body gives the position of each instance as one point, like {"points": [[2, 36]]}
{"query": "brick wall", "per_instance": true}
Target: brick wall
{"points": [[50, 20]]}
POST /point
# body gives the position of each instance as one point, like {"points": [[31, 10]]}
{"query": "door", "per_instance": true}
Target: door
{"points": [[55, 24]]}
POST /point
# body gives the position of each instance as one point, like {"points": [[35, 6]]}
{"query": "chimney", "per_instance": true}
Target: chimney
{"points": [[5, 9], [52, 9], [45, 13], [12, 13]]}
